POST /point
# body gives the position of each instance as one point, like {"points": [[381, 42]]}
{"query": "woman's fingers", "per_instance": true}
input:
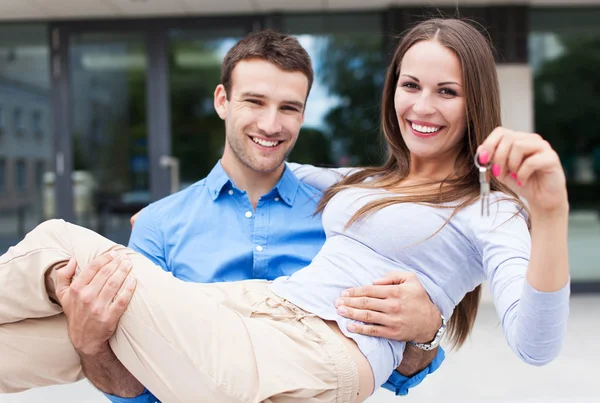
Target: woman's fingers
{"points": [[537, 162], [508, 150]]}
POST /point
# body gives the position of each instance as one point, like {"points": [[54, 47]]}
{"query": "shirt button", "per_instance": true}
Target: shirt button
{"points": [[231, 192], [248, 214], [277, 199], [259, 248]]}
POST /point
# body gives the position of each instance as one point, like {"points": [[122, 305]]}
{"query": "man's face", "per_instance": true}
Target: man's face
{"points": [[263, 114]]}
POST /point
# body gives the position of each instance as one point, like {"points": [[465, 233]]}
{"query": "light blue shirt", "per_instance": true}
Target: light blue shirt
{"points": [[210, 232]]}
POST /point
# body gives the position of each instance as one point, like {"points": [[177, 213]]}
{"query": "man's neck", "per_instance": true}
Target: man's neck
{"points": [[256, 184]]}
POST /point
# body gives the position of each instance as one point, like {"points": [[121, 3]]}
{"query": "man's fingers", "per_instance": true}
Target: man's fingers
{"points": [[65, 275], [104, 274], [114, 283], [371, 330], [373, 304], [395, 277], [123, 298], [88, 272], [133, 218], [364, 315], [373, 291]]}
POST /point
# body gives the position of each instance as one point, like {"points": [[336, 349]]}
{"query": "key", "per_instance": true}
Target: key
{"points": [[484, 186]]}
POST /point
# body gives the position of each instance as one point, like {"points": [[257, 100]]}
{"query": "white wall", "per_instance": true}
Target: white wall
{"points": [[516, 96]]}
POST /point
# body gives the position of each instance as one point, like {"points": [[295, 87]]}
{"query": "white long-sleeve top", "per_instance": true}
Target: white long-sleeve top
{"points": [[467, 251]]}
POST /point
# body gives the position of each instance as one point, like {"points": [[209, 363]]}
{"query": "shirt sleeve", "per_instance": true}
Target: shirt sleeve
{"points": [[400, 384], [320, 178], [147, 239], [145, 397], [534, 323]]}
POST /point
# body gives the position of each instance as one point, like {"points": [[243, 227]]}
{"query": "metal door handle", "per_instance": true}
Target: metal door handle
{"points": [[166, 161]]}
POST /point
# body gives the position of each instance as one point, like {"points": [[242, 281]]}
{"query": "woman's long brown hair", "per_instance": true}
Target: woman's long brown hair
{"points": [[482, 114]]}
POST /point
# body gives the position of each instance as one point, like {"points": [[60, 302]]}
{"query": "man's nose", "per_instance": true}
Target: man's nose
{"points": [[269, 122]]}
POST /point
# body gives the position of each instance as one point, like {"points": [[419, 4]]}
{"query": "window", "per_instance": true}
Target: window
{"points": [[564, 47], [19, 120], [36, 123], [21, 175], [40, 169], [2, 175], [342, 112]]}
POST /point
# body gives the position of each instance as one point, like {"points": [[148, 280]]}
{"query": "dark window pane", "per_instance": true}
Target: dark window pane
{"points": [[21, 175], [195, 71], [564, 48], [342, 113], [2, 175]]}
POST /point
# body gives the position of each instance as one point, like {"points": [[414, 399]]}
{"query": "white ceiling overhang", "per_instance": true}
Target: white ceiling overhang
{"points": [[85, 9]]}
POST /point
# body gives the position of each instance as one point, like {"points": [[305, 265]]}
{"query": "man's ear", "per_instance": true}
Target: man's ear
{"points": [[220, 101]]}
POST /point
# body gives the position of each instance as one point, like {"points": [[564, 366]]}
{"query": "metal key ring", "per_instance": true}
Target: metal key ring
{"points": [[478, 164]]}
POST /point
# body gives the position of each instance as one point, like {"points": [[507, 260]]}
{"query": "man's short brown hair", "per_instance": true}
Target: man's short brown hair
{"points": [[284, 51]]}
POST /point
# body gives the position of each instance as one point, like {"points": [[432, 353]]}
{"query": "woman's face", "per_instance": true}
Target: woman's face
{"points": [[430, 102]]}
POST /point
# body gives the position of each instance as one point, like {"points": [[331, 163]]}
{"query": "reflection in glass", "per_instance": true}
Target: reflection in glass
{"points": [[342, 115], [198, 134], [109, 138], [24, 90], [564, 57]]}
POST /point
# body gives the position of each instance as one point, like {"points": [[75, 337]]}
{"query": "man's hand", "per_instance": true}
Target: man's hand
{"points": [[93, 303], [94, 300], [133, 218], [395, 307]]}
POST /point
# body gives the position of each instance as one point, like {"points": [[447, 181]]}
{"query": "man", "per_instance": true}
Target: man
{"points": [[249, 218]]}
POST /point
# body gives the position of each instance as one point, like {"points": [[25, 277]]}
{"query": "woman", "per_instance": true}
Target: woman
{"points": [[285, 341]]}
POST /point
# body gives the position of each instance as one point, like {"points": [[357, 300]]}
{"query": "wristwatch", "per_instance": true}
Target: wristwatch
{"points": [[436, 340]]}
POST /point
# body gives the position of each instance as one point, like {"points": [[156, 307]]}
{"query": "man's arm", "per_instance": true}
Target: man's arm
{"points": [[109, 375], [415, 360], [94, 309], [93, 303]]}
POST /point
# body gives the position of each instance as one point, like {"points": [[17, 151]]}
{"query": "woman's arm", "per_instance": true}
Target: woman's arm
{"points": [[531, 290], [533, 320], [320, 178]]}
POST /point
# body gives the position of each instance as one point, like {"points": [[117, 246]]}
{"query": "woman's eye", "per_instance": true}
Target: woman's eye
{"points": [[410, 85], [448, 91]]}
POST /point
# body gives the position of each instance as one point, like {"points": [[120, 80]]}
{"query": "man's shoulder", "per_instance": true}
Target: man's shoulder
{"points": [[307, 196]]}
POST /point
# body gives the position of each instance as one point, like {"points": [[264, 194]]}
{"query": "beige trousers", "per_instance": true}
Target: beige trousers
{"points": [[186, 342]]}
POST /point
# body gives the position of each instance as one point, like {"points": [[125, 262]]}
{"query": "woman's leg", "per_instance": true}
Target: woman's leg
{"points": [[37, 352], [181, 344], [185, 342]]}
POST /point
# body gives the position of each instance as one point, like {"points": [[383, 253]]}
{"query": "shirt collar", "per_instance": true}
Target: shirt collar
{"points": [[216, 180], [287, 187]]}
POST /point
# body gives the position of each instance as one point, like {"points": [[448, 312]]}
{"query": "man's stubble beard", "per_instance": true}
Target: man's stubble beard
{"points": [[239, 153]]}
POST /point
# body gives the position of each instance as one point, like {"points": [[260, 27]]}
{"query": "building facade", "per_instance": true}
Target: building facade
{"points": [[106, 106]]}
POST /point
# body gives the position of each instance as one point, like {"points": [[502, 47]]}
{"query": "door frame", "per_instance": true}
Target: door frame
{"points": [[158, 109]]}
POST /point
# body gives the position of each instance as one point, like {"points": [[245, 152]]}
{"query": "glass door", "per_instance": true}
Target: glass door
{"points": [[197, 132], [26, 136], [109, 137]]}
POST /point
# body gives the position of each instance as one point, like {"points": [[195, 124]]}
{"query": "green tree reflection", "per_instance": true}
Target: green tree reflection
{"points": [[352, 68]]}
